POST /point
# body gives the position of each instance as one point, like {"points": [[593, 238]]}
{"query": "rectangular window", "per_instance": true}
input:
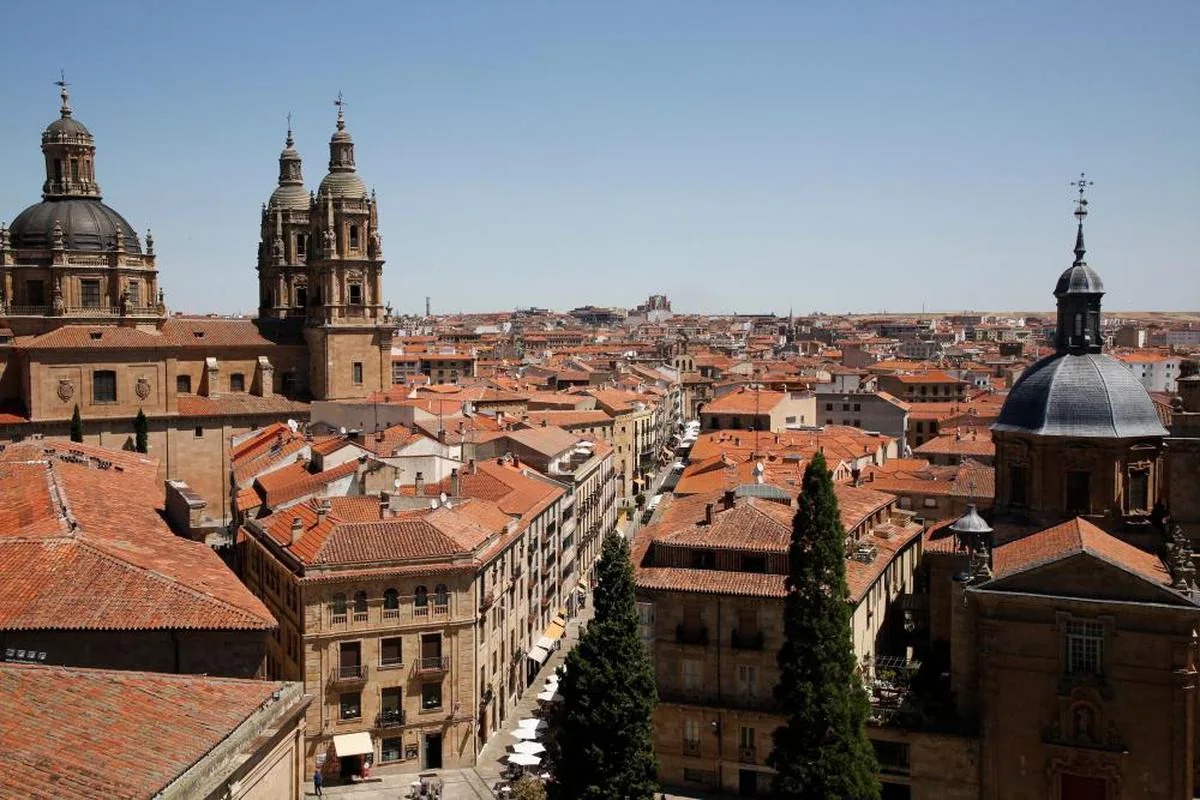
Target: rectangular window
{"points": [[1017, 483], [390, 749], [391, 702], [431, 695], [237, 382], [35, 293], [1139, 490], [134, 294], [198, 432], [745, 737], [691, 737], [747, 680], [691, 674], [350, 705], [356, 294], [104, 386], [74, 169], [1085, 648], [754, 563], [646, 621], [354, 237], [391, 651], [183, 384], [89, 292], [356, 370], [1079, 492]]}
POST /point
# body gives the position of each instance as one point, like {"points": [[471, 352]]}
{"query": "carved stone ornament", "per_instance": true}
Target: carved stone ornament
{"points": [[66, 390], [142, 388]]}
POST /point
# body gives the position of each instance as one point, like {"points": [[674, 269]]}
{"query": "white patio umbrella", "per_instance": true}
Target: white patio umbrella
{"points": [[525, 733], [532, 723], [548, 696], [530, 748], [524, 759]]}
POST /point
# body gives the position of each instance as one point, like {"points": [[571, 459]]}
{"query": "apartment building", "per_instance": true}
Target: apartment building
{"points": [[710, 595], [1157, 372], [744, 408], [934, 386], [379, 607], [634, 437]]}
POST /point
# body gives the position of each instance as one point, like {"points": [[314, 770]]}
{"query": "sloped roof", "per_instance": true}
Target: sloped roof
{"points": [[84, 546], [1071, 538], [77, 734]]}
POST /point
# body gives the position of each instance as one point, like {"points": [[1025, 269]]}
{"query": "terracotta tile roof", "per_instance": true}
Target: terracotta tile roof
{"points": [[295, 480], [77, 734], [241, 403], [1071, 538], [907, 476], [710, 581], [568, 418], [752, 524], [182, 332], [860, 575], [744, 401], [354, 532], [504, 484], [262, 454], [92, 337], [84, 546], [969, 443]]}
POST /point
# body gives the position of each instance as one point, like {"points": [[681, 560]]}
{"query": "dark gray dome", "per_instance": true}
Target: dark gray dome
{"points": [[65, 126], [87, 224], [1089, 395], [1079, 279]]}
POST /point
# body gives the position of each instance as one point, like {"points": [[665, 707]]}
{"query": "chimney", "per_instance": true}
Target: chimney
{"points": [[419, 484], [297, 529], [708, 513], [729, 498], [322, 510], [471, 467], [442, 435], [454, 483], [385, 505]]}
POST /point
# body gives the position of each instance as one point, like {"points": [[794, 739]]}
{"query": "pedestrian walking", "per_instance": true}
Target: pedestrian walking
{"points": [[318, 781]]}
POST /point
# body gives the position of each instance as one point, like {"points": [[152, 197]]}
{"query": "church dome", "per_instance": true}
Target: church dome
{"points": [[1078, 279], [65, 126], [1086, 395], [289, 198], [343, 184], [290, 194], [87, 224]]}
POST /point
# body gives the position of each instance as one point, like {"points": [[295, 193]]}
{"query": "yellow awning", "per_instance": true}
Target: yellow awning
{"points": [[554, 631]]}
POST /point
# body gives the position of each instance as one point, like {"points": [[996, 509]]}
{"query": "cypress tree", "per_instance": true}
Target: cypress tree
{"points": [[822, 751], [76, 425], [140, 433], [601, 742]]}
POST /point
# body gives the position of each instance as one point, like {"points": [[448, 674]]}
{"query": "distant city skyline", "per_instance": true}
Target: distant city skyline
{"points": [[737, 158]]}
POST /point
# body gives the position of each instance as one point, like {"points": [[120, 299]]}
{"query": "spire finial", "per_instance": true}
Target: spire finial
{"points": [[290, 140], [341, 104], [64, 93], [1080, 214]]}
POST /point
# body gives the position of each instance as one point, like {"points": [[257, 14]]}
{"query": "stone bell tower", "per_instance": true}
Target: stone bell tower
{"points": [[283, 246], [346, 322]]}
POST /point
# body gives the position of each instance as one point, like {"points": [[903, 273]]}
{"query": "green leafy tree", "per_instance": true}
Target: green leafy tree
{"points": [[601, 742], [141, 433], [528, 788], [76, 425], [822, 751]]}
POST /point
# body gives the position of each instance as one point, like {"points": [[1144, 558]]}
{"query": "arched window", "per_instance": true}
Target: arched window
{"points": [[360, 602], [441, 596], [421, 597], [339, 605], [391, 599]]}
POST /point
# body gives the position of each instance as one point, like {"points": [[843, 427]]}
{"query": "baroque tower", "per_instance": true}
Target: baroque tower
{"points": [[71, 258], [346, 328], [283, 246]]}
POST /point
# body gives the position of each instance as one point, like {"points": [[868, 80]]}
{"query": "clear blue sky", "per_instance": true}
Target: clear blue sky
{"points": [[737, 155]]}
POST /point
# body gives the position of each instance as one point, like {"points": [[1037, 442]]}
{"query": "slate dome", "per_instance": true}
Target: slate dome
{"points": [[87, 224], [1085, 395]]}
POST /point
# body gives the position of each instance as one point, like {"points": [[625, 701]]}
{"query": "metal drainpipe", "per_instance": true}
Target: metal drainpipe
{"points": [[720, 721]]}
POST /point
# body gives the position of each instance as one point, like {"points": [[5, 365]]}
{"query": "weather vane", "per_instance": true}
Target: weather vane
{"points": [[1081, 202], [62, 84]]}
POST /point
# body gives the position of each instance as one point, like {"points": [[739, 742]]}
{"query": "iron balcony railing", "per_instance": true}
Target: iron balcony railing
{"points": [[390, 718], [433, 664], [349, 673]]}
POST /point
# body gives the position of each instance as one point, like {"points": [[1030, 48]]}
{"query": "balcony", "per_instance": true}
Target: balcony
{"points": [[390, 718], [692, 636], [746, 641], [488, 599], [691, 747], [748, 755], [349, 673], [730, 700], [433, 664]]}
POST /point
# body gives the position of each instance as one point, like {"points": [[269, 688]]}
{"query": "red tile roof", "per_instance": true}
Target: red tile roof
{"points": [[239, 404], [84, 546], [295, 480], [1071, 538], [78, 734]]}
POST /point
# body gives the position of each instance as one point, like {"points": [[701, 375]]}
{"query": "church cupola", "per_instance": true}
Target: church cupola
{"points": [[70, 152], [1078, 291], [343, 179], [290, 193]]}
